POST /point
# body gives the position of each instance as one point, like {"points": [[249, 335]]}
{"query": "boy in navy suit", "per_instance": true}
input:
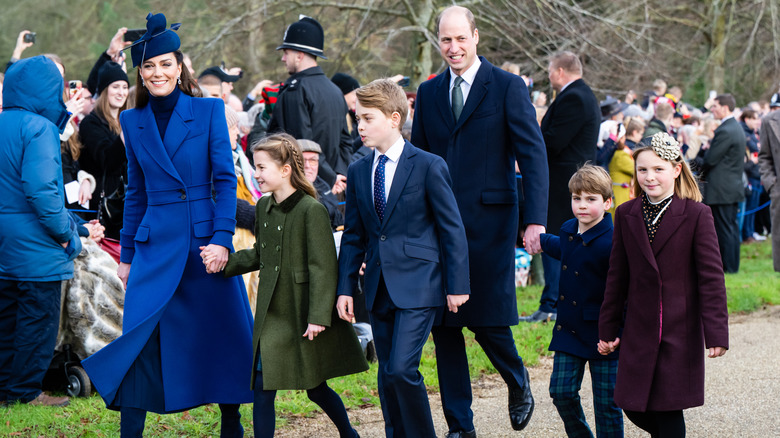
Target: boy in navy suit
{"points": [[583, 248], [403, 220]]}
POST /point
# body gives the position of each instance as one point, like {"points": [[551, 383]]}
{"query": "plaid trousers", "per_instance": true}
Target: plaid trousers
{"points": [[565, 383]]}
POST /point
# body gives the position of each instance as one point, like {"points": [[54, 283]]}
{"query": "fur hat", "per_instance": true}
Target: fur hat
{"points": [[231, 115], [109, 73], [305, 35], [156, 41]]}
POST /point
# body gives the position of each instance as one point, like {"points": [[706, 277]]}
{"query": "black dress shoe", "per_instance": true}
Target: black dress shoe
{"points": [[462, 434], [521, 404]]}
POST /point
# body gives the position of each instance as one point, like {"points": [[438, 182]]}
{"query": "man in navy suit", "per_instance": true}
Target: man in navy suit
{"points": [[403, 220], [570, 128], [479, 118]]}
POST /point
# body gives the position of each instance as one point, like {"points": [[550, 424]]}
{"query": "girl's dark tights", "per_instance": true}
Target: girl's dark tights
{"points": [[327, 399], [659, 424]]}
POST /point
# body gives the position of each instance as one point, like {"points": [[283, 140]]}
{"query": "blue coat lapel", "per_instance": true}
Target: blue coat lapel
{"points": [[443, 99], [402, 172], [364, 194], [178, 128], [477, 93], [150, 139]]}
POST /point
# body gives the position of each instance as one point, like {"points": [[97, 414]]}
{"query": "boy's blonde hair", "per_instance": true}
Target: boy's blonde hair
{"points": [[386, 96], [591, 179], [284, 149], [685, 185]]}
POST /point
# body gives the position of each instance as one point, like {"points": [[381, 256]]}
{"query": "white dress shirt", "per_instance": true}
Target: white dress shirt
{"points": [[468, 79], [393, 155]]}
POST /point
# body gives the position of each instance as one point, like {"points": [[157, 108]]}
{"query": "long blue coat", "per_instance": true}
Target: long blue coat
{"points": [[496, 127], [205, 321], [33, 219]]}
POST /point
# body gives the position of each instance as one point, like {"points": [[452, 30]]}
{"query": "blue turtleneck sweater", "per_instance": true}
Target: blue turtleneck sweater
{"points": [[162, 108]]}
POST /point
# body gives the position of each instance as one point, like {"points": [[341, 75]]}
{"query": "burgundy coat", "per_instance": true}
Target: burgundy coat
{"points": [[679, 277]]}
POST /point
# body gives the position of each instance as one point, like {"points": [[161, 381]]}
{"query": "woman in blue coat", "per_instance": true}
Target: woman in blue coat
{"points": [[187, 334]]}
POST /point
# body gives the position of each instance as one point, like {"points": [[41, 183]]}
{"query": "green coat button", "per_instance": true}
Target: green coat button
{"points": [[262, 245], [278, 248], [276, 268], [261, 266]]}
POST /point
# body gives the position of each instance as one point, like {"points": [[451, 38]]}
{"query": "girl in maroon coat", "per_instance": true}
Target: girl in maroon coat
{"points": [[666, 276]]}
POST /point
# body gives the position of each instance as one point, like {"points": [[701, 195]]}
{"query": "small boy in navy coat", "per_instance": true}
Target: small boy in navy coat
{"points": [[401, 219], [583, 247]]}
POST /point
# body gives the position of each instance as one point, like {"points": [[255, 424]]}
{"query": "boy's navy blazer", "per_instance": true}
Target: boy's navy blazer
{"points": [[584, 266], [419, 248]]}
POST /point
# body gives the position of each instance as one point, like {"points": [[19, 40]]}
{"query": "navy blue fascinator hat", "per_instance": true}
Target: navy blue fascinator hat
{"points": [[156, 41]]}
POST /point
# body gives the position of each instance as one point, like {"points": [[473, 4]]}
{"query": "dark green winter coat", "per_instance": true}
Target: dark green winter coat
{"points": [[296, 257]]}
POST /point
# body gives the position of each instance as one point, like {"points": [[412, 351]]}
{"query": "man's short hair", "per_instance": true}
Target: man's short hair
{"points": [[634, 124], [664, 111], [469, 16], [591, 179], [386, 96], [568, 61], [659, 86], [726, 100], [209, 80]]}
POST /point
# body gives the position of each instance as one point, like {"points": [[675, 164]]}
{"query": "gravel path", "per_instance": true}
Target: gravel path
{"points": [[742, 396]]}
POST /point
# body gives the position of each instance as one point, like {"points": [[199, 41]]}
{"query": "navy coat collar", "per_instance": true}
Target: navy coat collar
{"points": [[476, 95], [178, 128], [402, 172], [572, 226]]}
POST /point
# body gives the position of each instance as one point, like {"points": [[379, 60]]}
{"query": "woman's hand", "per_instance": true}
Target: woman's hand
{"points": [[717, 351], [117, 44], [606, 347], [215, 257], [75, 105], [123, 271], [313, 330], [96, 231], [21, 45], [85, 191]]}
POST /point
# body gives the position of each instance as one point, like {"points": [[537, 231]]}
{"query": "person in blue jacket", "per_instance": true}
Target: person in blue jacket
{"points": [[38, 238], [187, 333]]}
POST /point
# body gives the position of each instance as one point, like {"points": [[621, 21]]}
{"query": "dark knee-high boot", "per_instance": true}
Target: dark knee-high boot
{"points": [[263, 413], [231, 422], [131, 423]]}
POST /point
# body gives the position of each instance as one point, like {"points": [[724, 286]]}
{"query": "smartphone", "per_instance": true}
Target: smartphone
{"points": [[404, 82], [29, 37], [713, 94], [74, 87], [133, 35]]}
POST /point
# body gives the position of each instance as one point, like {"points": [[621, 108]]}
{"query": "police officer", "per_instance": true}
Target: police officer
{"points": [[309, 105]]}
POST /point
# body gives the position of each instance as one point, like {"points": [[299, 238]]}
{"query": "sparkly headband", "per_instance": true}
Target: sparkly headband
{"points": [[665, 146]]}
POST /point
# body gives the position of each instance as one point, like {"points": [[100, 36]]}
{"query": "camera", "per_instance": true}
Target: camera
{"points": [[404, 82], [74, 87], [29, 37], [133, 35]]}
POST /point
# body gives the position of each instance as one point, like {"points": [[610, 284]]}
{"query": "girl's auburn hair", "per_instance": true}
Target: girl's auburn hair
{"points": [[686, 186], [284, 149]]}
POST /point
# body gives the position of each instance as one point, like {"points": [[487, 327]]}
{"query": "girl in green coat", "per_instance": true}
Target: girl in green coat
{"points": [[299, 341]]}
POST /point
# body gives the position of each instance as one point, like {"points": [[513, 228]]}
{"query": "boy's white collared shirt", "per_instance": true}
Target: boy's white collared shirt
{"points": [[393, 155]]}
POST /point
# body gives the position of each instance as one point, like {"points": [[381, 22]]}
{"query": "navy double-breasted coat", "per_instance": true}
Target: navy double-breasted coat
{"points": [[205, 323]]}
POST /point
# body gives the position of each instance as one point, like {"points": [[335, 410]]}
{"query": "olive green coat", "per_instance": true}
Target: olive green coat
{"points": [[296, 256]]}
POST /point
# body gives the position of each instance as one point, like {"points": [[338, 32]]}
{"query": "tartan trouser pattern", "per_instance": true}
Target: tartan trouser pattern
{"points": [[565, 383]]}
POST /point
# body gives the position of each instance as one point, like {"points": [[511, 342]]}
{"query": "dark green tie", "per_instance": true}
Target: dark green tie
{"points": [[457, 98]]}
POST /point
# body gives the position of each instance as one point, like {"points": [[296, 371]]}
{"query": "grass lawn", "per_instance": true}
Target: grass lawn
{"points": [[754, 286]]}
